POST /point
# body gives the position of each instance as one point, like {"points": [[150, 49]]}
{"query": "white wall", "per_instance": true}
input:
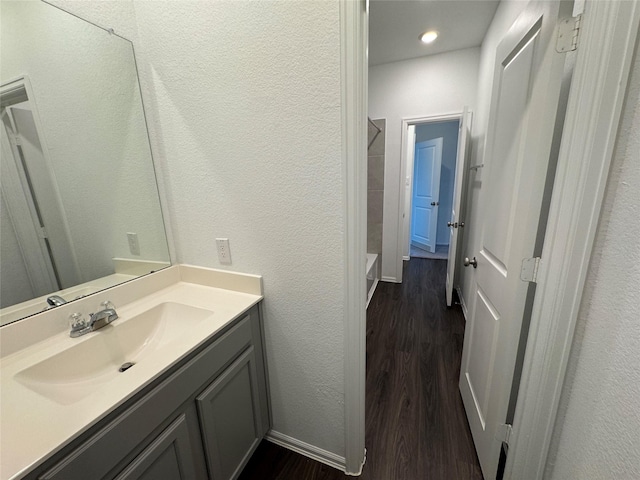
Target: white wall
{"points": [[221, 70], [211, 72], [86, 92], [597, 434], [432, 85]]}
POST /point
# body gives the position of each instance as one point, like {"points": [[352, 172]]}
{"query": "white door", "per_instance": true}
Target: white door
{"points": [[454, 224], [39, 185], [426, 191], [524, 105]]}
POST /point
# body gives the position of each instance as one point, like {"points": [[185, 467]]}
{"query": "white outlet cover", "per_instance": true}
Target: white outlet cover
{"points": [[224, 253]]}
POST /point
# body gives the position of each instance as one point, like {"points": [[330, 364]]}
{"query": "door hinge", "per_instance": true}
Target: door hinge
{"points": [[42, 233], [504, 432], [529, 271], [568, 32]]}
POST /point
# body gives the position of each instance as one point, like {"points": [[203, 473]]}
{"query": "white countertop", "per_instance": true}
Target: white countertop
{"points": [[33, 427]]}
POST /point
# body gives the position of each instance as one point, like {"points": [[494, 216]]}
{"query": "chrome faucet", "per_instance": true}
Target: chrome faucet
{"points": [[55, 300], [102, 318]]}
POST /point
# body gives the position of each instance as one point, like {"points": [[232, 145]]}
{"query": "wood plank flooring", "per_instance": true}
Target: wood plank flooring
{"points": [[416, 427]]}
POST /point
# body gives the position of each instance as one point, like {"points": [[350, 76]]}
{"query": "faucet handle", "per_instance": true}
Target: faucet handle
{"points": [[107, 304], [77, 321]]}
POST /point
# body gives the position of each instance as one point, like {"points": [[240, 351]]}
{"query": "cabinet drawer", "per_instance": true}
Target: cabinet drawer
{"points": [[112, 445]]}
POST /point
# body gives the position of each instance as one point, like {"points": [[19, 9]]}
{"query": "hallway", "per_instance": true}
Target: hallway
{"points": [[415, 422]]}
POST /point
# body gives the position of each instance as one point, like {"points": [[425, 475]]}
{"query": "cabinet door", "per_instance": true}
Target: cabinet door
{"points": [[167, 458], [230, 418]]}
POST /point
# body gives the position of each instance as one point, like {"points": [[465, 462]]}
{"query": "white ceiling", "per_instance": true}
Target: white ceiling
{"points": [[395, 25]]}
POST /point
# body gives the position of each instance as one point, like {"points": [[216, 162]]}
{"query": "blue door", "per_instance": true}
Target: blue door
{"points": [[426, 190]]}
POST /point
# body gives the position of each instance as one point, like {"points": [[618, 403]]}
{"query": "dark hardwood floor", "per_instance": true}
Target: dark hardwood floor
{"points": [[416, 427]]}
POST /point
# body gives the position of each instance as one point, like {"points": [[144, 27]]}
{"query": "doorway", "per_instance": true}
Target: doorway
{"points": [[429, 189]]}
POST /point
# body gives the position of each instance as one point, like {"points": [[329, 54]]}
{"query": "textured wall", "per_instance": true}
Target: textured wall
{"points": [[449, 133], [432, 85], [86, 92], [597, 434], [247, 102]]}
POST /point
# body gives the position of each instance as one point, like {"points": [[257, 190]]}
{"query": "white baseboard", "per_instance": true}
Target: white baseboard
{"points": [[389, 279], [303, 448], [463, 305], [359, 472]]}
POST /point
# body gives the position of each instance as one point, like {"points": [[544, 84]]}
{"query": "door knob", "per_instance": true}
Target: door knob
{"points": [[468, 262], [435, 203], [461, 224], [454, 224]]}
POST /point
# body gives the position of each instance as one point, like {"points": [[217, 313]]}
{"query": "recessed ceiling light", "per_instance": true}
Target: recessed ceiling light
{"points": [[428, 37]]}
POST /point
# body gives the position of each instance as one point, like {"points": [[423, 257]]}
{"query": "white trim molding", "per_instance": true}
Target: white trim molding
{"points": [[600, 79], [353, 39], [306, 449]]}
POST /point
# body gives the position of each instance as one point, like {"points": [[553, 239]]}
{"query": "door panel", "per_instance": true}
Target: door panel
{"points": [[422, 221], [426, 189], [167, 458], [230, 417], [514, 90], [524, 105], [482, 351]]}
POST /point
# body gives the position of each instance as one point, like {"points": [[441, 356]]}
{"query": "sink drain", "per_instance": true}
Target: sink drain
{"points": [[126, 366]]}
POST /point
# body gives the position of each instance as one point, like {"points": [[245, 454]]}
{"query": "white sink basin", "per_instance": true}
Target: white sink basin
{"points": [[95, 360]]}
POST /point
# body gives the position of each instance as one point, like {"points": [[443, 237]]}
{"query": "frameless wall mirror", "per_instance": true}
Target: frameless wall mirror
{"points": [[79, 206]]}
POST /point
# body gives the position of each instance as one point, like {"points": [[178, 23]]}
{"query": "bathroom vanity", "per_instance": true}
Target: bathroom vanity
{"points": [[194, 404]]}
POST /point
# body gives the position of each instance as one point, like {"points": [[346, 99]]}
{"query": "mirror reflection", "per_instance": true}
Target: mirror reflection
{"points": [[79, 206]]}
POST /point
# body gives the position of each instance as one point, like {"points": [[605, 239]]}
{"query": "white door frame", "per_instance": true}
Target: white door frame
{"points": [[404, 215], [354, 35], [603, 62]]}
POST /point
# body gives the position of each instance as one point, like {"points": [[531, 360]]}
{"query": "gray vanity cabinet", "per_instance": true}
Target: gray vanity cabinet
{"points": [[202, 420], [230, 418]]}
